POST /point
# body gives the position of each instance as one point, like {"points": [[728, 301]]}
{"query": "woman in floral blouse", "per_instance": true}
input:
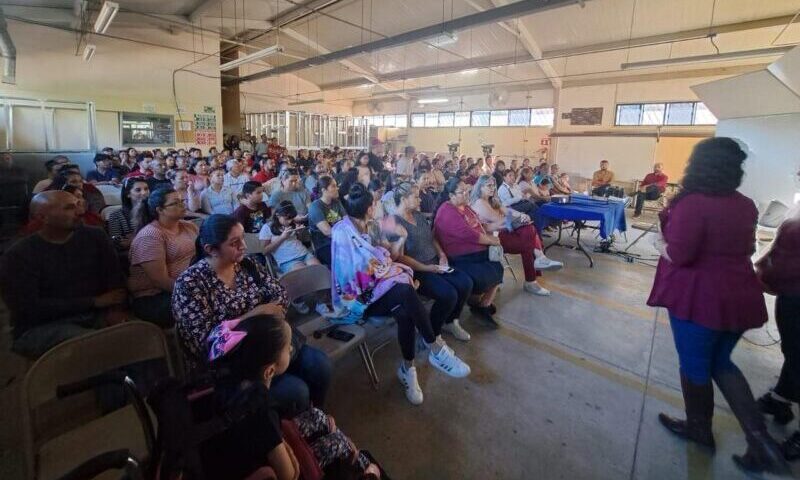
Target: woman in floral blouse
{"points": [[223, 285]]}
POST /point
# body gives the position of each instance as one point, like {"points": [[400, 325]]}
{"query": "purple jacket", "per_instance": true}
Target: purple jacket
{"points": [[710, 280]]}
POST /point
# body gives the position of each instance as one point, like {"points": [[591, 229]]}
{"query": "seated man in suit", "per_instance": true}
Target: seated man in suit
{"points": [[651, 188], [61, 282]]}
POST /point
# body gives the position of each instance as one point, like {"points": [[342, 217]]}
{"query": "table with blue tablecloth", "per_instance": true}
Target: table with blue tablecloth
{"points": [[581, 209]]}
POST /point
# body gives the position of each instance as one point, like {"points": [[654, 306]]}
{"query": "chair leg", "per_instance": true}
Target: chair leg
{"points": [[508, 266], [369, 364]]}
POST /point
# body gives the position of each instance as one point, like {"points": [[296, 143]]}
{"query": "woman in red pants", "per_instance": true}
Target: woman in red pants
{"points": [[516, 231]]}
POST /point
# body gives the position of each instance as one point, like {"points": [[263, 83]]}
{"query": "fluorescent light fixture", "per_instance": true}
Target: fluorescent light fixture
{"points": [[761, 52], [251, 58], [306, 102], [423, 101], [107, 13], [469, 71], [88, 52]]}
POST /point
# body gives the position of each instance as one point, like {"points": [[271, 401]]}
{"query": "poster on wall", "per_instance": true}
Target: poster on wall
{"points": [[205, 129], [586, 116]]}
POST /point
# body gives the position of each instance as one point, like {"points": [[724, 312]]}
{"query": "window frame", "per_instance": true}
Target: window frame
{"points": [[665, 116]]}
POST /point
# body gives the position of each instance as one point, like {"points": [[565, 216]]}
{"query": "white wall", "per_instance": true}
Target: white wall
{"points": [[771, 169]]}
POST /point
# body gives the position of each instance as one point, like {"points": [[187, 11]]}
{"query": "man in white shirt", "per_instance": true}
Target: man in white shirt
{"points": [[405, 163], [235, 178], [261, 147], [511, 195]]}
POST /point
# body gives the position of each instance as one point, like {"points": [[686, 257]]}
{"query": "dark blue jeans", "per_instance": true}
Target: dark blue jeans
{"points": [[305, 382], [449, 292], [702, 352]]}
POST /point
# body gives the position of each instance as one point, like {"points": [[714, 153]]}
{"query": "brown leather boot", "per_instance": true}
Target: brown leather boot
{"points": [[699, 404]]}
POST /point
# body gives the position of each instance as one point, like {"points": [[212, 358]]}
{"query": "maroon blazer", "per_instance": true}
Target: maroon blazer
{"points": [[710, 280]]}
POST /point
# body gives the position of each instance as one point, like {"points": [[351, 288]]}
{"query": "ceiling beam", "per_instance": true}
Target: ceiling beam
{"points": [[671, 75], [669, 37], [526, 86], [512, 10]]}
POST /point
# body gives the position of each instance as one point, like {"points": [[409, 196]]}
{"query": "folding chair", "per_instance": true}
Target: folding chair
{"points": [[60, 434]]}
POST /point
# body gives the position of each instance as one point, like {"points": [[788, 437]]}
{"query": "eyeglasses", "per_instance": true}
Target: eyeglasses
{"points": [[179, 202]]}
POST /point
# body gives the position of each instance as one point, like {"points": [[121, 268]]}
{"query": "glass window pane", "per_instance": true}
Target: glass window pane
{"points": [[462, 119], [519, 117], [401, 121], [679, 113], [703, 116], [377, 120], [629, 114], [357, 121], [388, 121], [542, 117], [499, 118], [480, 118], [432, 119], [417, 119], [653, 114], [446, 119]]}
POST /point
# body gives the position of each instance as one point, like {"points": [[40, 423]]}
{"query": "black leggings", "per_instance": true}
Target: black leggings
{"points": [[403, 303]]}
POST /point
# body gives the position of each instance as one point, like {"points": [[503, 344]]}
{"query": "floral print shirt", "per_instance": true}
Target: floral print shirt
{"points": [[201, 301]]}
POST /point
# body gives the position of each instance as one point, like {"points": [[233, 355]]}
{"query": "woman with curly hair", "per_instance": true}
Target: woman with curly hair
{"points": [[705, 280]]}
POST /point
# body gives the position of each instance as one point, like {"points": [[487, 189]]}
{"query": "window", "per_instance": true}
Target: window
{"points": [[518, 118], [432, 119], [401, 121], [147, 129], [377, 120], [446, 119], [358, 121], [417, 119], [498, 118], [480, 118], [671, 113], [629, 114], [388, 121], [542, 117], [703, 116], [653, 114], [462, 119], [679, 113]]}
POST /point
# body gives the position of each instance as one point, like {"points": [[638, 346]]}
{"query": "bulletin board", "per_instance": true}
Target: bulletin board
{"points": [[185, 131], [205, 132]]}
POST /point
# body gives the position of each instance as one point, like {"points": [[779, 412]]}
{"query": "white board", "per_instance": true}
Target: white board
{"points": [[630, 157]]}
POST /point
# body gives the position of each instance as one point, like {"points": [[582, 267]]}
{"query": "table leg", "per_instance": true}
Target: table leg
{"points": [[557, 242], [580, 247]]}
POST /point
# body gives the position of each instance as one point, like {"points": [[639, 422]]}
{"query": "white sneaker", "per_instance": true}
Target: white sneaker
{"points": [[456, 331], [301, 308], [536, 289], [408, 379], [544, 264], [447, 361], [323, 310]]}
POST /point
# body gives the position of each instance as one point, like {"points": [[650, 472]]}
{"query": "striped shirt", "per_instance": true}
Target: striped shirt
{"points": [[155, 244]]}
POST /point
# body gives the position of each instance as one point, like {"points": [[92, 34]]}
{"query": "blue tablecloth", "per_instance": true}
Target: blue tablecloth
{"points": [[610, 214]]}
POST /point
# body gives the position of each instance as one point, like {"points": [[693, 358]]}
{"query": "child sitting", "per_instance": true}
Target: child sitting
{"points": [[248, 354], [280, 240], [252, 213]]}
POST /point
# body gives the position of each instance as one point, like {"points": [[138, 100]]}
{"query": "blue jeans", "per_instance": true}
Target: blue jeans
{"points": [[702, 352], [305, 382], [449, 292], [36, 341]]}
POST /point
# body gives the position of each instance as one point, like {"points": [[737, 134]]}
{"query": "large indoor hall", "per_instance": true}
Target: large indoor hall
{"points": [[399, 239]]}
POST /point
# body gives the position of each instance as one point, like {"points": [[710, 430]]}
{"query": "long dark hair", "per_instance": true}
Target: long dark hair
{"points": [[147, 211], [213, 232], [265, 340], [323, 183], [449, 189], [127, 186], [358, 201], [714, 168], [285, 209]]}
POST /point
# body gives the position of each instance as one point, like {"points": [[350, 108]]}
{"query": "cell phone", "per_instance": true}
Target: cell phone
{"points": [[341, 335], [448, 270]]}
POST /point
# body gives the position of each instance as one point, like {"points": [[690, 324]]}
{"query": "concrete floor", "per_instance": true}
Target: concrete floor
{"points": [[568, 388]]}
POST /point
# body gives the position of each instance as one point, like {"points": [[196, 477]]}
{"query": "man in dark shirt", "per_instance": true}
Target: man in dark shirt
{"points": [[61, 282], [103, 174], [652, 187]]}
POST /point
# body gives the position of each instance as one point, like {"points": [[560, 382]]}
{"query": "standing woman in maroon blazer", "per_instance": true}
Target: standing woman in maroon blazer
{"points": [[705, 279]]}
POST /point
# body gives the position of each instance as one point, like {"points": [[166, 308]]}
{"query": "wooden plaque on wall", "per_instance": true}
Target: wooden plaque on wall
{"points": [[586, 116], [185, 131]]}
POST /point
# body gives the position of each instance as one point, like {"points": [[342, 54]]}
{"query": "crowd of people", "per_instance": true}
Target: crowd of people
{"points": [[394, 230]]}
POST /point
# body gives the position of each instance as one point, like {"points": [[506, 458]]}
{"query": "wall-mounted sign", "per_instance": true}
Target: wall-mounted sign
{"points": [[205, 129], [208, 109], [586, 116], [149, 107]]}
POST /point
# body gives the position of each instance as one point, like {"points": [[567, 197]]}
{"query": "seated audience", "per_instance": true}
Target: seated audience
{"points": [[458, 230], [601, 179], [104, 173], [651, 188], [499, 172], [235, 178], [121, 224], [266, 170], [250, 355], [142, 168], [292, 191], [159, 177], [86, 217], [310, 182], [516, 233], [511, 196], [449, 288], [280, 240], [323, 214], [53, 167], [473, 171], [556, 181], [161, 250], [224, 285], [71, 175], [252, 212], [218, 198], [427, 193], [367, 282], [189, 191], [62, 281]]}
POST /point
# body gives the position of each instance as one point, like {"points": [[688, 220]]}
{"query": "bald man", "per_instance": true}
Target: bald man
{"points": [[651, 188], [62, 281]]}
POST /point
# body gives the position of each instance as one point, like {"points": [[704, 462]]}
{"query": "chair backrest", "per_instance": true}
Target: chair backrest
{"points": [[306, 280], [106, 212], [254, 245], [111, 194], [79, 359]]}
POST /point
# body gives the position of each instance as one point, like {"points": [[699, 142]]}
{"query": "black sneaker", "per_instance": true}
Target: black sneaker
{"points": [[791, 447], [781, 411]]}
